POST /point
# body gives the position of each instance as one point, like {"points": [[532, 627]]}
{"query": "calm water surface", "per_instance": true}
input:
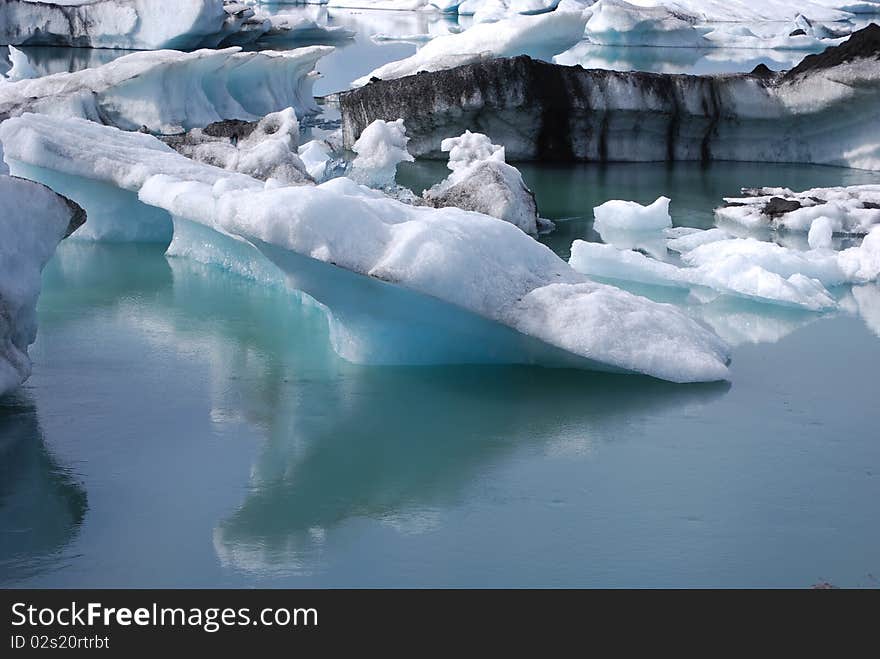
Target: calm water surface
{"points": [[185, 427]]}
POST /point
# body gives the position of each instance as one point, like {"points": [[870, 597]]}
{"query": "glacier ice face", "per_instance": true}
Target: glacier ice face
{"points": [[33, 220], [481, 181], [265, 149], [170, 92], [851, 210], [823, 111], [380, 148], [543, 34], [418, 283]]}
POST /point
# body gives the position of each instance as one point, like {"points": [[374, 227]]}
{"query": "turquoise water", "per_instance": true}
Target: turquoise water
{"points": [[185, 427]]}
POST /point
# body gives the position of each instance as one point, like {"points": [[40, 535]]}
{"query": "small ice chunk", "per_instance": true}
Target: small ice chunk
{"points": [[632, 216], [693, 240], [821, 233], [481, 181], [315, 156], [380, 148]]}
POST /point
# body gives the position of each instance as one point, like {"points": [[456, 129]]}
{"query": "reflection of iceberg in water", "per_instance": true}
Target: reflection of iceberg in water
{"points": [[41, 506], [385, 446], [742, 321], [868, 303], [395, 446]]}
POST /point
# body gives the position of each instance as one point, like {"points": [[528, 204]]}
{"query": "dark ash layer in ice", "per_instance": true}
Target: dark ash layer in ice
{"points": [[543, 111]]}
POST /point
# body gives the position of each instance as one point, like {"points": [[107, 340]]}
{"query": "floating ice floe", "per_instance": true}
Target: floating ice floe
{"points": [[730, 276], [170, 91], [823, 111], [402, 284], [33, 220], [544, 34], [380, 149], [632, 216], [147, 25], [619, 23], [851, 210], [316, 155], [265, 149], [744, 267], [482, 181]]}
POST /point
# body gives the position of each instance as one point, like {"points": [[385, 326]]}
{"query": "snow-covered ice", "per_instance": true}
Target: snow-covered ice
{"points": [[482, 181], [730, 276], [445, 274], [543, 34], [632, 216], [170, 91], [33, 220], [380, 148]]}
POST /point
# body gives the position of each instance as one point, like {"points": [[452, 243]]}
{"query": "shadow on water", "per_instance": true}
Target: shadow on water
{"points": [[41, 504]]}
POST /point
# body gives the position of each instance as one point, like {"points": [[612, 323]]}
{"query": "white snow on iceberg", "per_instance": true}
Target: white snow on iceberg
{"points": [[413, 283]]}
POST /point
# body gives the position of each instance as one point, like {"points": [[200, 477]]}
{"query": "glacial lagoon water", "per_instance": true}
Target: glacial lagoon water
{"points": [[186, 427]]}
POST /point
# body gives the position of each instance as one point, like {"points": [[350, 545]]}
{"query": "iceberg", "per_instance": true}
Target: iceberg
{"points": [[544, 34], [482, 181], [401, 283], [823, 111], [34, 219], [170, 92], [619, 23], [850, 209]]}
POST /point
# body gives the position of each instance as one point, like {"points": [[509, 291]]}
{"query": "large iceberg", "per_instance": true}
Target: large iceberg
{"points": [[169, 91], [33, 220], [544, 34], [850, 210], [147, 25], [402, 284], [822, 111]]}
